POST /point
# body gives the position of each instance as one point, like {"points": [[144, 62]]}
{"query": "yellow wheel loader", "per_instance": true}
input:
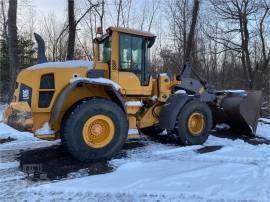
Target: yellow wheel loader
{"points": [[92, 106]]}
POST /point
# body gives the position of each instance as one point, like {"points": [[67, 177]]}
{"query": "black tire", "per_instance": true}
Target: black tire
{"points": [[64, 122], [152, 130], [184, 135], [73, 129]]}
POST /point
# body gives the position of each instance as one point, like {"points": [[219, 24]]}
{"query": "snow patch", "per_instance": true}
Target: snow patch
{"points": [[154, 98], [163, 74], [264, 120], [45, 130], [133, 131], [180, 92], [235, 91], [65, 64], [263, 130], [97, 81], [134, 104], [9, 165], [223, 126]]}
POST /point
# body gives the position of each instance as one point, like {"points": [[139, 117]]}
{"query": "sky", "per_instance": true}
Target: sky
{"points": [[46, 7]]}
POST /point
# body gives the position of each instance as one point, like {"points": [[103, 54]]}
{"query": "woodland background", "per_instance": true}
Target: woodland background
{"points": [[231, 48]]}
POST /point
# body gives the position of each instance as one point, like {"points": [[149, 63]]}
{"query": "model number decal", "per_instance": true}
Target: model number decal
{"points": [[25, 94]]}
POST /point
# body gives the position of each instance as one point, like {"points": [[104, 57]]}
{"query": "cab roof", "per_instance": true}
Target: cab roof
{"points": [[131, 31]]}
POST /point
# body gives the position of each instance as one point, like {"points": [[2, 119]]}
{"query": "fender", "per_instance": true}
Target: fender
{"points": [[171, 109], [112, 92]]}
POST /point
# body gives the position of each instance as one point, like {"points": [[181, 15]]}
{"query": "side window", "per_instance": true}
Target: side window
{"points": [[131, 53]]}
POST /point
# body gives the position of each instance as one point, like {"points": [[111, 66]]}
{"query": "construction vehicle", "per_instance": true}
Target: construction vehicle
{"points": [[92, 106]]}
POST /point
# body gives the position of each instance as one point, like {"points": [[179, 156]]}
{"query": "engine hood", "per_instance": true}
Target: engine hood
{"points": [[66, 64]]}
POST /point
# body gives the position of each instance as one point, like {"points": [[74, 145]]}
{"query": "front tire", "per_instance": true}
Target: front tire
{"points": [[194, 123], [95, 129]]}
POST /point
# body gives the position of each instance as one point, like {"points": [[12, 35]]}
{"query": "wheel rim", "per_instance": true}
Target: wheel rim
{"points": [[98, 131], [196, 123]]}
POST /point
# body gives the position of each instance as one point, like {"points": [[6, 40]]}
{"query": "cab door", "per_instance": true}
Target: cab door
{"points": [[134, 75]]}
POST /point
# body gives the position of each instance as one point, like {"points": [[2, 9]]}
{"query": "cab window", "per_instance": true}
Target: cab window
{"points": [[131, 48], [134, 56]]}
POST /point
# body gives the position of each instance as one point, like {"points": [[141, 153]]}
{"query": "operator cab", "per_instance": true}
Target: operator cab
{"points": [[127, 53]]}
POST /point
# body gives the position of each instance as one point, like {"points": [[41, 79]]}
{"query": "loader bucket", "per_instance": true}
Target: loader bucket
{"points": [[241, 111]]}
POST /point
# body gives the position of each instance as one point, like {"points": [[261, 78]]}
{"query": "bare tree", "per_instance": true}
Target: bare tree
{"points": [[155, 6], [190, 41], [239, 13], [119, 9], [12, 45], [72, 30]]}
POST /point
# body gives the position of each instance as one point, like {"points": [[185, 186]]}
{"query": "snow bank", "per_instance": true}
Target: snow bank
{"points": [[264, 120], [263, 130], [9, 165], [65, 64], [97, 81]]}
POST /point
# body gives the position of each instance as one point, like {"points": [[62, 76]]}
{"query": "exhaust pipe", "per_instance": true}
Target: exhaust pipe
{"points": [[41, 49]]}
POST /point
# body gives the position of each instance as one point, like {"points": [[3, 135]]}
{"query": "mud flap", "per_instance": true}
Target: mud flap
{"points": [[171, 109], [240, 111]]}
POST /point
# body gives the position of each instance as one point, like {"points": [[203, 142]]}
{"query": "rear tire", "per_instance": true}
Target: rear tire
{"points": [[194, 123], [95, 129]]}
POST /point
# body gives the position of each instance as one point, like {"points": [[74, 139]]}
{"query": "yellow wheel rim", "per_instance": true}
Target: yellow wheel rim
{"points": [[196, 123], [98, 131]]}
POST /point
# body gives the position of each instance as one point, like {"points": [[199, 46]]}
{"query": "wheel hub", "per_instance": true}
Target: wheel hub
{"points": [[196, 123], [98, 131]]}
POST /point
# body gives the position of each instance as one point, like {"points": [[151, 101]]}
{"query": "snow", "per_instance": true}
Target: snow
{"points": [[267, 121], [65, 64], [134, 103], [97, 81], [238, 171], [223, 126], [163, 74], [180, 92], [235, 91], [133, 131], [263, 130], [45, 130], [154, 98], [9, 165]]}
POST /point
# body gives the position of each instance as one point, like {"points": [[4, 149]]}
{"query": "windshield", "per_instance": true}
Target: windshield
{"points": [[106, 50]]}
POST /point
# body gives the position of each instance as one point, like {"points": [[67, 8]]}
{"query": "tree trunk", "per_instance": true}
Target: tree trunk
{"points": [[72, 30], [190, 42], [119, 8], [12, 46]]}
